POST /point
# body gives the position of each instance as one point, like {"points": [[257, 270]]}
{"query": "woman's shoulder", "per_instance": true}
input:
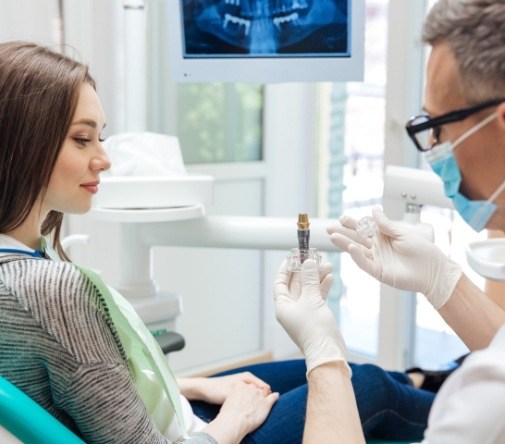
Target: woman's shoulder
{"points": [[29, 266], [65, 304], [44, 280]]}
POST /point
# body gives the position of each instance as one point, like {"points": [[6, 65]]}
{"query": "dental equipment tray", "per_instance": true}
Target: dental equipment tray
{"points": [[142, 192]]}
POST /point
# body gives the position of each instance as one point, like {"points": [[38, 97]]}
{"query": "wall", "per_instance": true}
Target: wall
{"points": [[36, 20]]}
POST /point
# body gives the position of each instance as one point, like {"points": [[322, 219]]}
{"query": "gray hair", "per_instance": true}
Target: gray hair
{"points": [[475, 32]]}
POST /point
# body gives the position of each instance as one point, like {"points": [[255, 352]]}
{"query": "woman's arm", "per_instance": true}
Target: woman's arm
{"points": [[246, 402], [216, 389], [243, 411], [192, 388]]}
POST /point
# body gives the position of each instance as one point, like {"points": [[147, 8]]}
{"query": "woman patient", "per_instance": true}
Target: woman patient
{"points": [[57, 341]]}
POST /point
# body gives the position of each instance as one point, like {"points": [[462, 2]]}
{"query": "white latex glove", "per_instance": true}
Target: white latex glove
{"points": [[301, 309], [399, 257]]}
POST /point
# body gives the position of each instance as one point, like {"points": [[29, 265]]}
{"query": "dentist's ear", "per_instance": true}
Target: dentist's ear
{"points": [[500, 116]]}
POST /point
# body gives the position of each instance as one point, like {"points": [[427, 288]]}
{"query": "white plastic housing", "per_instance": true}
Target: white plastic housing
{"points": [[414, 186], [137, 192], [487, 257]]}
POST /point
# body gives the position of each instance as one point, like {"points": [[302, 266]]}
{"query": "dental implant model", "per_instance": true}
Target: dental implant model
{"points": [[366, 227], [303, 235], [298, 255]]}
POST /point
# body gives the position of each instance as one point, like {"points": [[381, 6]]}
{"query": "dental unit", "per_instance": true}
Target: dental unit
{"points": [[170, 211]]}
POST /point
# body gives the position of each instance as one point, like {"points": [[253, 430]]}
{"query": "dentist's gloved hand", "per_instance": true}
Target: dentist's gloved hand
{"points": [[399, 257], [300, 307]]}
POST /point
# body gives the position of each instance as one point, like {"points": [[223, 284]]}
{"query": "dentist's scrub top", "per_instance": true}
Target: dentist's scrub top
{"points": [[470, 406]]}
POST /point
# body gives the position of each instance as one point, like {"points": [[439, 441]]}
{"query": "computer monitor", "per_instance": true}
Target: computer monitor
{"points": [[266, 41]]}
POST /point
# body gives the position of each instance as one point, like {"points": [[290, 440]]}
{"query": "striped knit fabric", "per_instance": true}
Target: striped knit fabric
{"points": [[59, 347]]}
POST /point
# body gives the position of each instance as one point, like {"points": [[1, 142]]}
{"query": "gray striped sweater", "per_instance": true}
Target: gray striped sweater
{"points": [[59, 347]]}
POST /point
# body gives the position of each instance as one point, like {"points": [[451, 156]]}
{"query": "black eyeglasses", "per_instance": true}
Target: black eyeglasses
{"points": [[425, 131]]}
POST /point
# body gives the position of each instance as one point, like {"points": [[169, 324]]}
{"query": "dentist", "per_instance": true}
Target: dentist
{"points": [[463, 136]]}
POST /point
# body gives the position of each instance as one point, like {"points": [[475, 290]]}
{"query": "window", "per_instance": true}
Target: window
{"points": [[354, 179], [220, 122]]}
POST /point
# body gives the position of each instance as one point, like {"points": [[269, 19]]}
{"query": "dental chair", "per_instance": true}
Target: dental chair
{"points": [[28, 421], [170, 341]]}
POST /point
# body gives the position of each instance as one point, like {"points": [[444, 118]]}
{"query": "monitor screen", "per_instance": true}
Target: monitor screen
{"points": [[265, 41]]}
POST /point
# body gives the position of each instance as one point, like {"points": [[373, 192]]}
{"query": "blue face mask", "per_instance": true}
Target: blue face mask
{"points": [[475, 213]]}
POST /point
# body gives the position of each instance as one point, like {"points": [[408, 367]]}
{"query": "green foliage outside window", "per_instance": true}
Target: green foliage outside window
{"points": [[220, 122]]}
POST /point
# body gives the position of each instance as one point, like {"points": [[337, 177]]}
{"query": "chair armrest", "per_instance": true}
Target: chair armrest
{"points": [[170, 341]]}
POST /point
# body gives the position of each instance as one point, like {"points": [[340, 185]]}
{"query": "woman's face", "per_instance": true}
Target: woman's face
{"points": [[75, 176]]}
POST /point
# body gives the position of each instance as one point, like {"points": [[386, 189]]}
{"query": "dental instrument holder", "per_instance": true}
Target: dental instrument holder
{"points": [[415, 188]]}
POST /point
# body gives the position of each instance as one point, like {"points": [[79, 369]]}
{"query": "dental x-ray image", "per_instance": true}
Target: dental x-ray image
{"points": [[266, 28]]}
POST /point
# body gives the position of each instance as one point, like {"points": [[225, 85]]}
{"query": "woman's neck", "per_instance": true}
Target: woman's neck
{"points": [[29, 232], [27, 237]]}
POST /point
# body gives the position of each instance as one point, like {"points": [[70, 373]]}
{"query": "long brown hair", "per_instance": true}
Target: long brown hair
{"points": [[39, 90]]}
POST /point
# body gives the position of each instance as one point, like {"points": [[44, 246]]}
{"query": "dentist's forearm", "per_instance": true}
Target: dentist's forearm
{"points": [[473, 316], [332, 414]]}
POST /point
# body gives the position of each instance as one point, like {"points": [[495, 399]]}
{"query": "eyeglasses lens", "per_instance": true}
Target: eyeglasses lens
{"points": [[428, 138]]}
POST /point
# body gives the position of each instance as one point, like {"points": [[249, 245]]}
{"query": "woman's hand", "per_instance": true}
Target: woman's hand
{"points": [[216, 389], [245, 408]]}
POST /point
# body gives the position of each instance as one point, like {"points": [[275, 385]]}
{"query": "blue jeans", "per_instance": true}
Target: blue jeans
{"points": [[389, 407]]}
